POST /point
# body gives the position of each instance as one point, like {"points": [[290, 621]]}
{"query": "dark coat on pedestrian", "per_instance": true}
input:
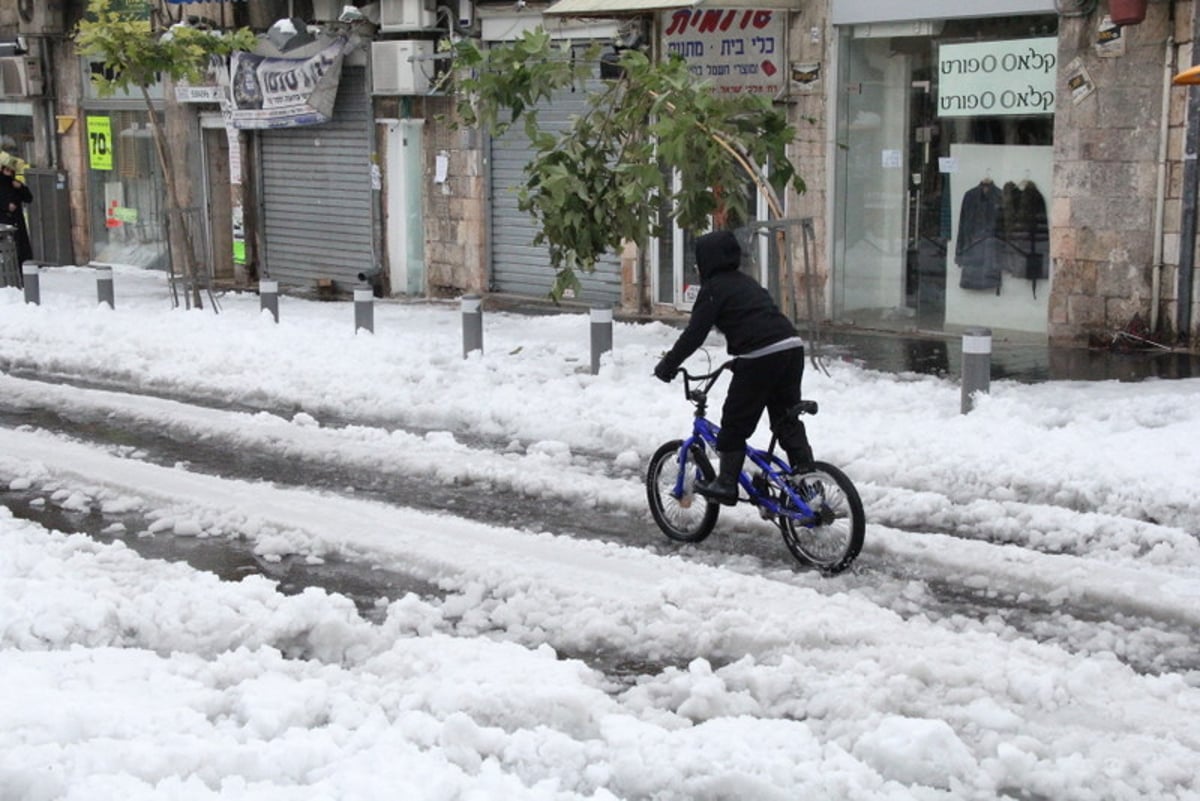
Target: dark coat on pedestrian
{"points": [[13, 196]]}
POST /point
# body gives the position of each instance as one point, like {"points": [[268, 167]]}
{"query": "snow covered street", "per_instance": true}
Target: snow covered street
{"points": [[1022, 622]]}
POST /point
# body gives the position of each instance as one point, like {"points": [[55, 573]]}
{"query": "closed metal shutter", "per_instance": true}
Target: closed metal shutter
{"points": [[518, 266], [318, 204]]}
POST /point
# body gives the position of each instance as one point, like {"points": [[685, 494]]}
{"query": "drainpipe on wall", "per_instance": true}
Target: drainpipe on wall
{"points": [[1187, 225], [1164, 129]]}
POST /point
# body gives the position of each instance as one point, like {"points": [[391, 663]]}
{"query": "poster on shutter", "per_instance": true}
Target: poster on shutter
{"points": [[270, 92], [738, 50]]}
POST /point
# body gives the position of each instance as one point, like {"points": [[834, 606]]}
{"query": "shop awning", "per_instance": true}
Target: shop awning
{"points": [[611, 8]]}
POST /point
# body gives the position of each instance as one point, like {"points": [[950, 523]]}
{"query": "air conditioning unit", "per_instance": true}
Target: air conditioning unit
{"points": [[20, 76], [398, 16], [401, 67]]}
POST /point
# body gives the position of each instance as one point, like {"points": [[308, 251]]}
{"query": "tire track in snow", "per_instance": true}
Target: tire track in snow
{"points": [[1028, 602]]}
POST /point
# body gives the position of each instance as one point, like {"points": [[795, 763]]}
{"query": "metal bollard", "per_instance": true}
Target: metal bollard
{"points": [[104, 285], [602, 334], [472, 324], [30, 274], [976, 364], [268, 298], [364, 310]]}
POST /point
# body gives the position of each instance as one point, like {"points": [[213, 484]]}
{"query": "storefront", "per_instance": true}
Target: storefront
{"points": [[125, 187], [310, 115], [943, 166], [517, 265]]}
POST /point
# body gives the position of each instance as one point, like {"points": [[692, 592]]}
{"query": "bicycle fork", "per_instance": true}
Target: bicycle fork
{"points": [[685, 499]]}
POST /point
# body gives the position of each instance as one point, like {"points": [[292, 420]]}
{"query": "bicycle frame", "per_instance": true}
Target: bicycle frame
{"points": [[775, 470]]}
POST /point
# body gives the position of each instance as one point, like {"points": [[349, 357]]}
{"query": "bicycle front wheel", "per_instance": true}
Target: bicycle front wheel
{"points": [[833, 542], [689, 517]]}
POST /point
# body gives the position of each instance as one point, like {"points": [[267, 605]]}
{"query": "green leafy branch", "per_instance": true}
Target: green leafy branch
{"points": [[602, 182]]}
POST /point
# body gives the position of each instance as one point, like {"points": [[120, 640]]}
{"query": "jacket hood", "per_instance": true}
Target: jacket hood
{"points": [[717, 252]]}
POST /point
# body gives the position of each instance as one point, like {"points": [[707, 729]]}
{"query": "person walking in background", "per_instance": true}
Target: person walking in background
{"points": [[14, 194]]}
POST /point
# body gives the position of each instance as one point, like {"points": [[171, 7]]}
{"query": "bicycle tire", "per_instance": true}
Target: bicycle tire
{"points": [[833, 544], [687, 519]]}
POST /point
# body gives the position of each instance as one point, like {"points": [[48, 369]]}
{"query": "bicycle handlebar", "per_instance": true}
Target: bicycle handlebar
{"points": [[708, 379]]}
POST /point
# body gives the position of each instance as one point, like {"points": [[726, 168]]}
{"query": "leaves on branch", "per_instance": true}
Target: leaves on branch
{"points": [[601, 182]]}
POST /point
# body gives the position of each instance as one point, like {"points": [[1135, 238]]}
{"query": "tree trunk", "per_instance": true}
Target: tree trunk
{"points": [[180, 244]]}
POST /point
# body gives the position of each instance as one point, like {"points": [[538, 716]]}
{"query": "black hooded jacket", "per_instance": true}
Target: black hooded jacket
{"points": [[12, 212], [735, 303]]}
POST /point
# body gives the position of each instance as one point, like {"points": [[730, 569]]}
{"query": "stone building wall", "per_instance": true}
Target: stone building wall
{"points": [[1182, 29], [811, 41], [1106, 144], [455, 211]]}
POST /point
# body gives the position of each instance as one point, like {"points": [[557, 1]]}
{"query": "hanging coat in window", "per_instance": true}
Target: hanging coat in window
{"points": [[1027, 229], [980, 249]]}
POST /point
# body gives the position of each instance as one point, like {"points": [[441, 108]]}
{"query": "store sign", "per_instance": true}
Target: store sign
{"points": [[989, 79], [187, 93], [738, 50], [100, 143], [270, 92]]}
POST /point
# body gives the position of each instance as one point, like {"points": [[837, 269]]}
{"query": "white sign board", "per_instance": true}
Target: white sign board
{"points": [[271, 92], [738, 50], [186, 93], [989, 79]]}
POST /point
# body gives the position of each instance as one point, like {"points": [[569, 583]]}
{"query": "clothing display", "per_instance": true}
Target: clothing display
{"points": [[1027, 228], [1002, 231]]}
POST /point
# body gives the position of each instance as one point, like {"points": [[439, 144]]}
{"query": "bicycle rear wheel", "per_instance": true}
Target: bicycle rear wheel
{"points": [[836, 539], [689, 518]]}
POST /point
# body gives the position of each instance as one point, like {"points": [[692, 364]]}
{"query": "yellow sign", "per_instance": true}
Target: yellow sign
{"points": [[100, 143]]}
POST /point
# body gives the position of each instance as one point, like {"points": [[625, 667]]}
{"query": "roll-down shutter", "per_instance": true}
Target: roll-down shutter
{"points": [[518, 266], [318, 203]]}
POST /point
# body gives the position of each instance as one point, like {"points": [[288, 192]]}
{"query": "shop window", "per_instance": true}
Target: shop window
{"points": [[945, 159], [126, 195]]}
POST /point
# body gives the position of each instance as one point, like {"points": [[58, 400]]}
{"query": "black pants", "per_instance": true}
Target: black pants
{"points": [[771, 382]]}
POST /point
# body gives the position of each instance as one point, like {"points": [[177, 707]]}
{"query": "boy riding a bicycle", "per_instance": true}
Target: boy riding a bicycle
{"points": [[769, 361]]}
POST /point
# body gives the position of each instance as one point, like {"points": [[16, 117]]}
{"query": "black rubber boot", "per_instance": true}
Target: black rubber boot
{"points": [[793, 438], [800, 461], [724, 488]]}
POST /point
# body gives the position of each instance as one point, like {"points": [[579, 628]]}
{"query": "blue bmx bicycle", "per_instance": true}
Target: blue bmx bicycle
{"points": [[818, 510]]}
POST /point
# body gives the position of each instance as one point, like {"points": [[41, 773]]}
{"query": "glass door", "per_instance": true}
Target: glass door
{"points": [[871, 234]]}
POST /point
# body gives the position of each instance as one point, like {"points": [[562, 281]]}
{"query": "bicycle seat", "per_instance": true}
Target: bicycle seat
{"points": [[803, 407]]}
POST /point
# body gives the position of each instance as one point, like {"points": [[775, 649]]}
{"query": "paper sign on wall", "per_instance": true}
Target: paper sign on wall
{"points": [[99, 133]]}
